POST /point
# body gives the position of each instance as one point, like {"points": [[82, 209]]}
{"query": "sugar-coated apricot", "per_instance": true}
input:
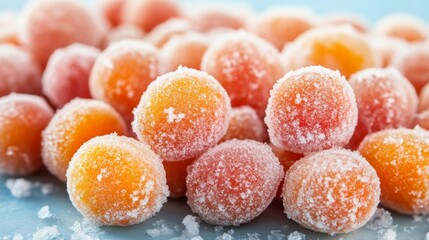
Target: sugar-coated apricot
{"points": [[22, 120], [401, 159], [386, 47], [245, 124], [332, 191], [112, 10], [121, 32], [51, 24], [115, 180], [19, 72], [246, 65], [423, 120], [176, 176], [122, 73], [162, 33], [354, 20], [182, 114], [336, 47], [233, 182], [9, 28], [407, 27], [67, 73], [77, 122], [385, 99], [149, 13], [311, 109], [424, 98]]}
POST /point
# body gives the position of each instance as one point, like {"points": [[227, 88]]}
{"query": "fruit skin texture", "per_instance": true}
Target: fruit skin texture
{"points": [[22, 119], [233, 182], [401, 159], [176, 176], [182, 114], [77, 122], [116, 180], [311, 109], [332, 191]]}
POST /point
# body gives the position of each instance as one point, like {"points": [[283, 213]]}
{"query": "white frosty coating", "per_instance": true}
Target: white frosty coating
{"points": [[85, 230], [197, 130], [130, 151], [233, 182], [392, 22], [427, 236], [312, 123], [123, 31], [245, 124], [380, 221], [410, 61], [385, 99], [315, 193], [276, 235], [66, 70], [296, 236], [19, 188], [423, 119], [159, 229], [20, 73], [224, 236], [62, 126], [46, 233], [174, 26], [244, 59], [192, 227], [390, 234], [297, 53], [44, 213], [424, 98], [408, 166]]}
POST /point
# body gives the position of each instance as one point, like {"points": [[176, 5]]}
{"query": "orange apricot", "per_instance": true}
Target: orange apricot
{"points": [[176, 176], [386, 47], [424, 98], [407, 27], [112, 10]]}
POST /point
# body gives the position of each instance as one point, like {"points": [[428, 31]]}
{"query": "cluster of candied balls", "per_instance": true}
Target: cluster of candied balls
{"points": [[139, 100]]}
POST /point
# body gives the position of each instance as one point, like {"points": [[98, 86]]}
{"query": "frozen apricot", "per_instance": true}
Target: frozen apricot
{"points": [[121, 32], [424, 98], [22, 119], [115, 180], [77, 122], [385, 99], [182, 114], [51, 24], [386, 47], [176, 176], [149, 13], [311, 109], [332, 191], [336, 47], [112, 10], [282, 25], [162, 33], [18, 71], [185, 50], [247, 67], [401, 159], [423, 119], [404, 26], [344, 18], [122, 73], [233, 182], [245, 124], [67, 73], [413, 62], [9, 28]]}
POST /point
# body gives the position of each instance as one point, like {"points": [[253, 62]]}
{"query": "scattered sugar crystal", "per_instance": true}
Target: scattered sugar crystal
{"points": [[224, 236], [417, 218], [191, 225], [296, 236], [44, 213], [197, 238], [46, 188], [276, 235], [19, 188], [18, 236], [160, 229], [46, 233], [382, 219], [85, 230], [253, 236], [172, 117], [218, 229], [427, 236], [390, 234]]}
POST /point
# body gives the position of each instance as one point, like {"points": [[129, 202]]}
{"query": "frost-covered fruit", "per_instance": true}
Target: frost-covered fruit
{"points": [[233, 182], [162, 33], [114, 180], [385, 99], [332, 191], [122, 32], [413, 63], [67, 74], [385, 47], [9, 28], [246, 65], [424, 98], [149, 13], [176, 176], [407, 27], [112, 10], [311, 109], [18, 71], [353, 20], [51, 24], [22, 120], [423, 119], [401, 159], [77, 122], [182, 114], [122, 73], [339, 48], [245, 124]]}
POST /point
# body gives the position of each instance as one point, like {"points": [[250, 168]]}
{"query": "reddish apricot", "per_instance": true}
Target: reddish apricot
{"points": [[176, 176], [407, 27], [162, 33]]}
